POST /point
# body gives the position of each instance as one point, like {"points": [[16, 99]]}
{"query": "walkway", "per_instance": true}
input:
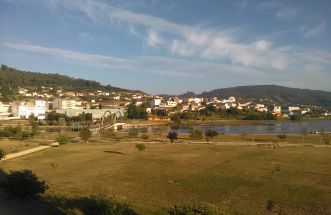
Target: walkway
{"points": [[28, 151]]}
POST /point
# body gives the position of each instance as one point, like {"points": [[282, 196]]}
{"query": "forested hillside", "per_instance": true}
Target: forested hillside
{"points": [[11, 79], [275, 93]]}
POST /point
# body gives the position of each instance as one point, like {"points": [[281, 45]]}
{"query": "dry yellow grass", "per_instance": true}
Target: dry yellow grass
{"points": [[237, 178]]}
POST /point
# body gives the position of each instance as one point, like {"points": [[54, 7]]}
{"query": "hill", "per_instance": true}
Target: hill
{"points": [[11, 79], [278, 94]]}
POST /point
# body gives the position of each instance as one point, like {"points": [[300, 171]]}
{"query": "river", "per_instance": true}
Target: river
{"points": [[272, 127]]}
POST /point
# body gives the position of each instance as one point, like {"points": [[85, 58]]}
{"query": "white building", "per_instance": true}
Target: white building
{"points": [[261, 108], [277, 109], [290, 109], [36, 108], [155, 102], [195, 100], [5, 110], [232, 99], [64, 104], [171, 103]]}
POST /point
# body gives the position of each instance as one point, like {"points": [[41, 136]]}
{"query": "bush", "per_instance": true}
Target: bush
{"points": [[140, 147], [197, 208], [210, 134], [282, 136], [2, 154], [144, 136], [326, 139], [196, 134], [133, 133], [85, 134], [61, 139], [101, 202], [23, 185], [108, 134]]}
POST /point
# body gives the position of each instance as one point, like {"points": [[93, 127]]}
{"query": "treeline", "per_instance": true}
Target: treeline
{"points": [[18, 133]]}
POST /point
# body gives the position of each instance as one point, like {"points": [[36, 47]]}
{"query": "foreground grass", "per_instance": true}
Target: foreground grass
{"points": [[240, 179]]}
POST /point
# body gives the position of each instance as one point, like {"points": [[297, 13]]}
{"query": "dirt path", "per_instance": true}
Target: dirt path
{"points": [[28, 151]]}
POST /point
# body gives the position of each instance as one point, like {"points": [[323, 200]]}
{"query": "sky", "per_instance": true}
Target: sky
{"points": [[171, 46]]}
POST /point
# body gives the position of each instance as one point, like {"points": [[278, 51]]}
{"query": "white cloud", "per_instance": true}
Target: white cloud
{"points": [[159, 65], [189, 41], [153, 38], [220, 46], [319, 28], [287, 13], [262, 45], [219, 51]]}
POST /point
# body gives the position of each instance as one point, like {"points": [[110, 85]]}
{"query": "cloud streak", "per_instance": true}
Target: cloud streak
{"points": [[159, 65], [186, 41], [315, 30]]}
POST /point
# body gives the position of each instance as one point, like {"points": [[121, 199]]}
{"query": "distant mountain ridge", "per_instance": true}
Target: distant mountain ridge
{"points": [[276, 93], [11, 79]]}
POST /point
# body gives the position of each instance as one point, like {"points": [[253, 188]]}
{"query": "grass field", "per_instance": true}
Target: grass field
{"points": [[239, 179]]}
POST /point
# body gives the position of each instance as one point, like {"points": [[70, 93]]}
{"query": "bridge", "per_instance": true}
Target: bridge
{"points": [[109, 121]]}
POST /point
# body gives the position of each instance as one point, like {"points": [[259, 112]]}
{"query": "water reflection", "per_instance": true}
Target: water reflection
{"points": [[288, 127]]}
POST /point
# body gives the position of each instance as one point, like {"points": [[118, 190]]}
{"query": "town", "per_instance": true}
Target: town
{"points": [[39, 104]]}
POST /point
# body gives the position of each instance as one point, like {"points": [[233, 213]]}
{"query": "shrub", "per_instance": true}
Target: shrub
{"points": [[2, 154], [144, 136], [140, 147], [23, 185], [282, 136], [326, 139], [101, 202], [133, 133], [196, 134], [85, 134], [108, 134], [61, 139], [210, 134], [197, 208]]}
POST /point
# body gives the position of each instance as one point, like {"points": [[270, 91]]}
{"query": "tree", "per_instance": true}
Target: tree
{"points": [[85, 134], [140, 147], [23, 185], [210, 134], [2, 153], [135, 112], [172, 136]]}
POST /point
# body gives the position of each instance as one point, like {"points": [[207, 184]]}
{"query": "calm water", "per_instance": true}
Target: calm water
{"points": [[288, 127]]}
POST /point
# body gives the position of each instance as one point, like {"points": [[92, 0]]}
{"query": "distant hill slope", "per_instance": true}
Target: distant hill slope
{"points": [[276, 93], [11, 79]]}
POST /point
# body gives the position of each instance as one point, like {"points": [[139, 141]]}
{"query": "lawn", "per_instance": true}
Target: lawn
{"points": [[239, 179]]}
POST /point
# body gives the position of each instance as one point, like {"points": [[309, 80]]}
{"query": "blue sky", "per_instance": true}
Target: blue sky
{"points": [[163, 46]]}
